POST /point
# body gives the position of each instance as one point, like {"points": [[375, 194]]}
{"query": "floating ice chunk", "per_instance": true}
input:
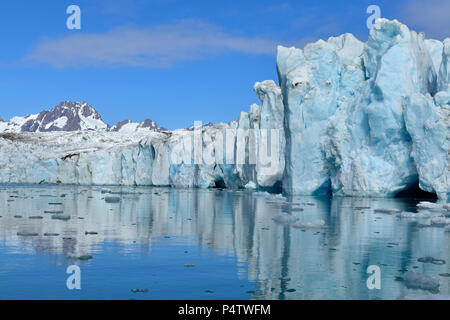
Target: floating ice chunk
{"points": [[251, 185], [426, 204], [416, 280], [432, 260], [387, 211], [54, 211], [81, 258], [433, 213], [112, 199], [27, 234], [419, 215], [272, 197], [36, 217], [279, 197], [61, 217], [411, 215], [318, 224], [285, 218], [430, 205], [440, 221], [425, 297]]}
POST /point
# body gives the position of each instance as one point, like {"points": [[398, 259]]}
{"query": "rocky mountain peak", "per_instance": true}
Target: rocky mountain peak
{"points": [[72, 116], [130, 126]]}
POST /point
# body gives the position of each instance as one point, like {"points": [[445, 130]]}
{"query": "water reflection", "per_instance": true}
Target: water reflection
{"points": [[284, 262]]}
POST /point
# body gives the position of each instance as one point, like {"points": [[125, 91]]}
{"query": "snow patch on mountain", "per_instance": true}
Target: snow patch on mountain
{"points": [[130, 126], [67, 116], [72, 116]]}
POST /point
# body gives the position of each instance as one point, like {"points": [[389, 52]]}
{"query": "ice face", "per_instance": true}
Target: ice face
{"points": [[375, 145], [428, 126], [367, 146], [314, 82], [383, 131], [271, 134], [348, 118], [444, 70]]}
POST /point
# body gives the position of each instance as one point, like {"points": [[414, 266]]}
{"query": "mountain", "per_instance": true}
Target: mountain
{"points": [[203, 126], [66, 116], [130, 126], [71, 116]]}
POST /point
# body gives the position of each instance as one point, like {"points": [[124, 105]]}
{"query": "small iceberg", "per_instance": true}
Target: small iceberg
{"points": [[27, 234], [431, 260], [285, 218], [414, 280], [440, 221], [318, 224], [430, 205], [251, 186], [387, 211], [425, 297], [61, 217], [112, 199]]}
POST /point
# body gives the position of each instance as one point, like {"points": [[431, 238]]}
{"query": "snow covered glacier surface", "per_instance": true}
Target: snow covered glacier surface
{"points": [[224, 155], [351, 118]]}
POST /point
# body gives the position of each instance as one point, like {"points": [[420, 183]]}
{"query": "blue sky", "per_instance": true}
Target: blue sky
{"points": [[172, 61]]}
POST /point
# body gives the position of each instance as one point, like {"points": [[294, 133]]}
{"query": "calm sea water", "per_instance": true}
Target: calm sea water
{"points": [[206, 244]]}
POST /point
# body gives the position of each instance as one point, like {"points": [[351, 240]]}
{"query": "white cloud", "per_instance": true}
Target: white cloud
{"points": [[159, 46], [431, 16]]}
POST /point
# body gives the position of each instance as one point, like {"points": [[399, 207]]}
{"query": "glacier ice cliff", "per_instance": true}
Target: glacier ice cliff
{"points": [[367, 119], [347, 117], [315, 82], [391, 133]]}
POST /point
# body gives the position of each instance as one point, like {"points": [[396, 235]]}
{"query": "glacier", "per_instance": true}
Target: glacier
{"points": [[347, 118]]}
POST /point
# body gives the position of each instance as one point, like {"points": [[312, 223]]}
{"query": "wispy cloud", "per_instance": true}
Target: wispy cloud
{"points": [[431, 16], [159, 46]]}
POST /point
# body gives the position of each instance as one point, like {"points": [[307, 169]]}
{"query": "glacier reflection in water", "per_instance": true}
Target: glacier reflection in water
{"points": [[207, 244]]}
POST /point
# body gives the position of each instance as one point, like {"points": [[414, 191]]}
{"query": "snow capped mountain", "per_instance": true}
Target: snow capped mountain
{"points": [[130, 126], [72, 116], [203, 126], [66, 116]]}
